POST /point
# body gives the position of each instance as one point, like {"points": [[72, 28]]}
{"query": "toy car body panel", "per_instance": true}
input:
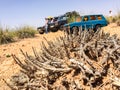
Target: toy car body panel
{"points": [[89, 21]]}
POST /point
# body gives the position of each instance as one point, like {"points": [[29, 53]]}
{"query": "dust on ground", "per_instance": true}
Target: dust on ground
{"points": [[8, 67]]}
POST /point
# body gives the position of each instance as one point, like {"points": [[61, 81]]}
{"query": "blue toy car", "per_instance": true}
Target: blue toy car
{"points": [[88, 22]]}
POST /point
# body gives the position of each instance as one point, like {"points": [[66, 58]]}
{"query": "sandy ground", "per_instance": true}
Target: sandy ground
{"points": [[8, 67], [112, 29]]}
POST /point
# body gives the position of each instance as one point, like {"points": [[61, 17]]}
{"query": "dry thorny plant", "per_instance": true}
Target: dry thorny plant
{"points": [[86, 61]]}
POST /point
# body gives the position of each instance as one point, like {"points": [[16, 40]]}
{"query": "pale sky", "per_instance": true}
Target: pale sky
{"points": [[14, 13]]}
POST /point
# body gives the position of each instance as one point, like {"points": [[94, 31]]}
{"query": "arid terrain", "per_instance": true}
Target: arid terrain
{"points": [[8, 67]]}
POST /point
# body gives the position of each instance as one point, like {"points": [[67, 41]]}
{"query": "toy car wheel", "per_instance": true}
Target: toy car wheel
{"points": [[41, 32], [54, 30], [61, 27], [75, 30]]}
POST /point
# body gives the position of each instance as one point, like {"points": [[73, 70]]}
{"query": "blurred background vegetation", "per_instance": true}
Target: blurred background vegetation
{"points": [[72, 16], [114, 19], [25, 32], [7, 35]]}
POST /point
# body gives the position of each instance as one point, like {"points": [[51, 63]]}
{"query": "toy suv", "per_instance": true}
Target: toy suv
{"points": [[41, 30], [57, 24], [88, 22]]}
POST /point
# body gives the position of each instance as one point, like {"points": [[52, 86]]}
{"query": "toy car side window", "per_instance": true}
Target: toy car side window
{"points": [[92, 17], [85, 18], [99, 17]]}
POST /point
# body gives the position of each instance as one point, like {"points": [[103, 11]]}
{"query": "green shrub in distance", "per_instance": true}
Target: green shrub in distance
{"points": [[114, 19], [72, 16], [118, 19], [25, 32], [118, 22], [6, 36]]}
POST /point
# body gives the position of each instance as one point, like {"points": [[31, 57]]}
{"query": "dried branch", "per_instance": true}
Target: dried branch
{"points": [[73, 62]]}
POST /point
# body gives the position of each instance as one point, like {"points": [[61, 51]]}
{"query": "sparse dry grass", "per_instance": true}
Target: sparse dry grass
{"points": [[25, 32], [7, 35], [114, 19]]}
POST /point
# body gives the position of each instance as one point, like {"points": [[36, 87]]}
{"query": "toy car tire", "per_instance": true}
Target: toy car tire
{"points": [[41, 32], [61, 27], [54, 30]]}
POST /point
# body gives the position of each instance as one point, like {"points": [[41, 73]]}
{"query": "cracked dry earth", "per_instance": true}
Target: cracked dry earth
{"points": [[8, 67]]}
